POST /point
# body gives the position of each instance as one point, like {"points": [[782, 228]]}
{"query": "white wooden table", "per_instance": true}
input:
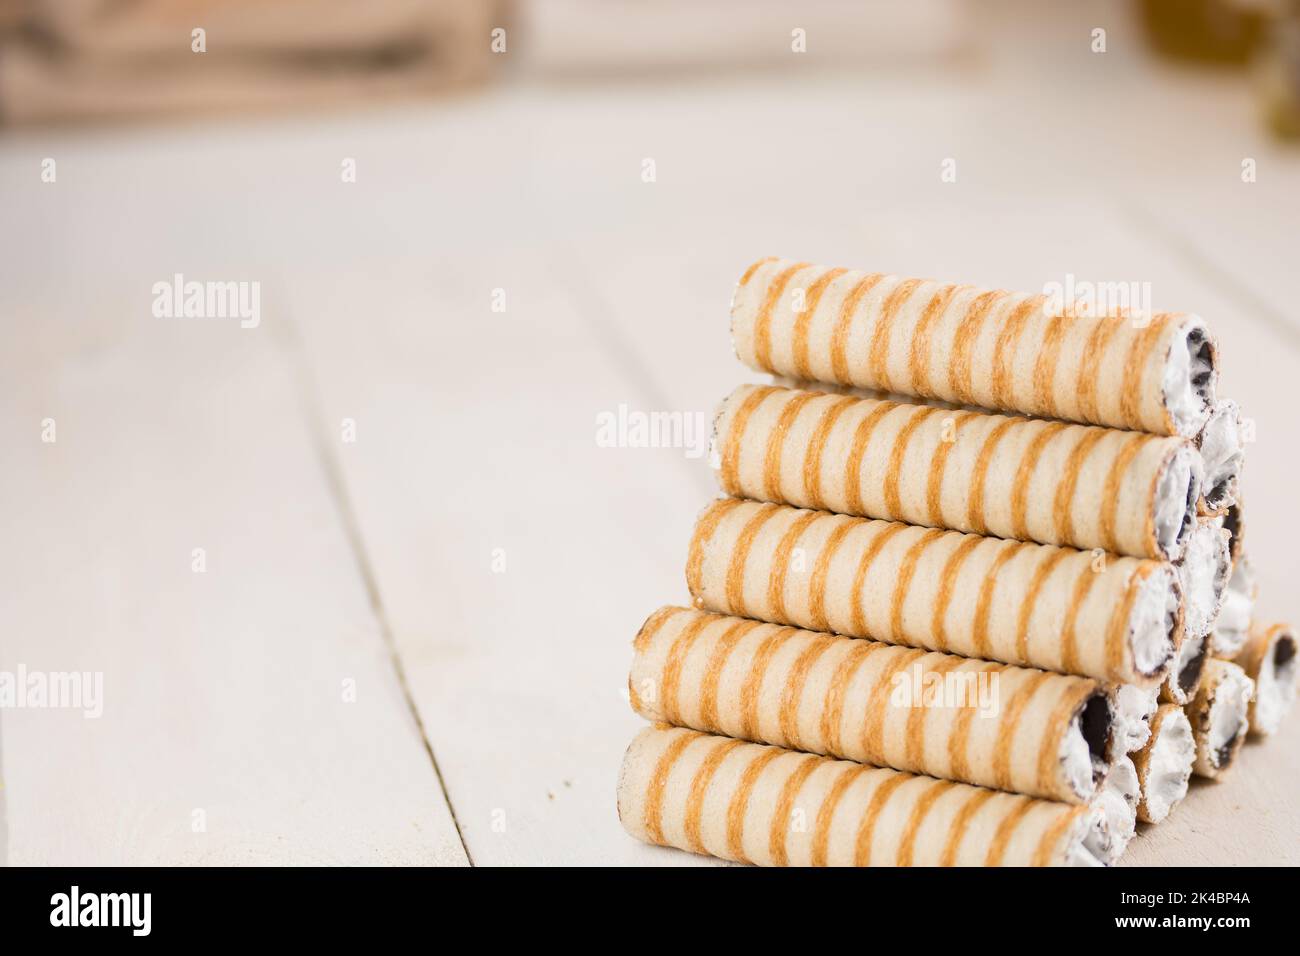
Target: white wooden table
{"points": [[489, 714]]}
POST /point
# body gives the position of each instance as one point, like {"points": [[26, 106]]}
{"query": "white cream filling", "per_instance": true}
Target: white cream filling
{"points": [[1226, 722], [1169, 766], [1152, 621], [1117, 801], [1090, 842], [1189, 667], [1177, 489], [1205, 569], [1083, 763], [1232, 626], [1222, 454], [1133, 709], [1275, 685], [1190, 378]]}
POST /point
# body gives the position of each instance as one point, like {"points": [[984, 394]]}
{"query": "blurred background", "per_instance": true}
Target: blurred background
{"points": [[357, 574]]}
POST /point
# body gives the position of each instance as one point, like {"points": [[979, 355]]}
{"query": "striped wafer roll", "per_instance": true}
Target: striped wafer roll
{"points": [[1220, 717], [1009, 476], [1205, 569], [1164, 765], [1232, 626], [1269, 659], [1221, 444], [1187, 670], [1009, 728], [1112, 618], [774, 807], [994, 349]]}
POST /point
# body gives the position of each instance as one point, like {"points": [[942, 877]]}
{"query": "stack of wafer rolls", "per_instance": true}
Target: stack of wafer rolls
{"points": [[976, 593]]}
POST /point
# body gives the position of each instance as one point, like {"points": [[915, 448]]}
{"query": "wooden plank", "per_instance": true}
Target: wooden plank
{"points": [[226, 736]]}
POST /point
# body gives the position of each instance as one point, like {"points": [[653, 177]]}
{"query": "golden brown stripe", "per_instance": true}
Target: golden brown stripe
{"points": [[903, 583], [792, 693], [840, 335], [878, 542], [866, 829], [878, 700], [998, 848], [699, 787], [780, 824], [1004, 349], [934, 484], [1049, 752], [957, 831], [1063, 506], [1110, 497], [781, 564], [763, 322], [878, 358], [654, 796], [1086, 384], [749, 273], [833, 712], [713, 672], [914, 746], [753, 683], [1041, 573], [975, 508], [704, 531], [918, 359], [947, 581], [893, 471], [740, 557], [812, 463], [804, 319], [1070, 629], [776, 443], [907, 846], [1009, 724], [826, 815], [1025, 476], [817, 581], [1117, 632], [1045, 365], [1135, 367], [740, 802], [670, 706], [959, 369], [1047, 844], [853, 463], [958, 761], [980, 626], [729, 472]]}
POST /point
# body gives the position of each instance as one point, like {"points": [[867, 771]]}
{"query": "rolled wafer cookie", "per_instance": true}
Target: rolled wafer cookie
{"points": [[1222, 455], [1164, 765], [1117, 800], [1232, 626], [1204, 569], [1188, 670], [1112, 618], [1008, 728], [775, 807], [994, 349], [1220, 717], [1269, 659], [1010, 476]]}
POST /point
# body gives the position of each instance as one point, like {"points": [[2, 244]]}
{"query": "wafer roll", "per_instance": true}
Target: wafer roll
{"points": [[1164, 765], [1222, 454], [1115, 619], [774, 807], [1184, 678], [1269, 659], [1012, 477], [1134, 707], [1204, 570], [1010, 728], [993, 349], [1117, 800], [1220, 717], [1232, 626]]}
